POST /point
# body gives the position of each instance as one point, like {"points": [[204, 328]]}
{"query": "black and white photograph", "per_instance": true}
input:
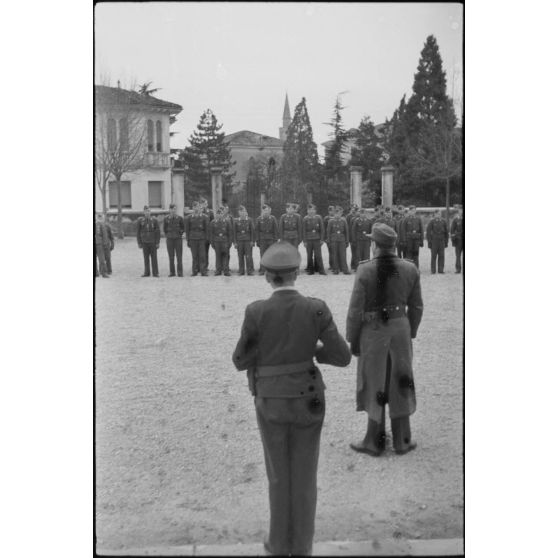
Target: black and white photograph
{"points": [[279, 268]]}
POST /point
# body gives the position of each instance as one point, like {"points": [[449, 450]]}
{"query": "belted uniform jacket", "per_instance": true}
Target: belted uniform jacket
{"points": [[173, 226], [283, 331], [220, 230], [437, 229], [148, 231], [290, 227], [313, 228], [197, 227], [266, 228]]}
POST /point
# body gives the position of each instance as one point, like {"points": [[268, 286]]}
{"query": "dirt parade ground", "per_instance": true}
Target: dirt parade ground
{"points": [[178, 455]]}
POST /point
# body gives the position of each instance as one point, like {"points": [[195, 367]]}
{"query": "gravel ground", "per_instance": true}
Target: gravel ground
{"points": [[178, 455]]}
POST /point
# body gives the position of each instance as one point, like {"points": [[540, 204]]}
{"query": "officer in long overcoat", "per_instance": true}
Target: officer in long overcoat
{"points": [[457, 229], [384, 314], [173, 227], [149, 237], [278, 345], [437, 237], [266, 232]]}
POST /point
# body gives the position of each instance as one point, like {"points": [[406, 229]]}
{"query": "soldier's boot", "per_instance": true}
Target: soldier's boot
{"points": [[401, 432]]}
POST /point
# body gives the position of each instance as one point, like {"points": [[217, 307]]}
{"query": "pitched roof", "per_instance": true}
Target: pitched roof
{"points": [[248, 138], [116, 96]]}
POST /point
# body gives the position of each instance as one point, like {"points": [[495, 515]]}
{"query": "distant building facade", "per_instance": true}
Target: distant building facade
{"points": [[143, 122]]}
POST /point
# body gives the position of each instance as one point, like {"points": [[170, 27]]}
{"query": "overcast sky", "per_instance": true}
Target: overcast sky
{"points": [[241, 59]]}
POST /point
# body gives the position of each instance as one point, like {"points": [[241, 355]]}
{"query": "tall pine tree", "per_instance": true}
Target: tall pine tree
{"points": [[207, 148], [300, 167]]}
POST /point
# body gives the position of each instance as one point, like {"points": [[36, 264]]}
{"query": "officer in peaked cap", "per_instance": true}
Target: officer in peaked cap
{"points": [[384, 314], [277, 346]]}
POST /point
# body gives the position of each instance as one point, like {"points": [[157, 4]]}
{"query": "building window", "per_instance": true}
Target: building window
{"points": [[155, 191], [111, 134], [126, 192], [150, 135], [124, 142], [159, 137]]}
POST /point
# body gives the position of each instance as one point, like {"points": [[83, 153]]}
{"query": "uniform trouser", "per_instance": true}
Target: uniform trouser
{"points": [[339, 250], [330, 252], [458, 253], [199, 260], [108, 260], [314, 256], [150, 251], [362, 250], [412, 251], [174, 246], [437, 254], [222, 257], [290, 436], [354, 255], [100, 255], [244, 248], [265, 243]]}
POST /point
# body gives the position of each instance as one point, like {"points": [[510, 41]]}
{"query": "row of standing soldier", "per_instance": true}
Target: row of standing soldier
{"points": [[220, 231]]}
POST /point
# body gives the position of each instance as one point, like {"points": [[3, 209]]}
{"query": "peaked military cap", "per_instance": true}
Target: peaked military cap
{"points": [[281, 257], [384, 234], [311, 206]]}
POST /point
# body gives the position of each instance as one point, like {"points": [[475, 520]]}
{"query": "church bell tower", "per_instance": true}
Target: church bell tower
{"points": [[286, 120]]}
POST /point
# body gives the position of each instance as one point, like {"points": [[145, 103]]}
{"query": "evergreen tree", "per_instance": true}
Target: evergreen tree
{"points": [[300, 166], [207, 149]]}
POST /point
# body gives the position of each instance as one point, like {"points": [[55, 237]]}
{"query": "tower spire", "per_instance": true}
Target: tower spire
{"points": [[286, 119]]}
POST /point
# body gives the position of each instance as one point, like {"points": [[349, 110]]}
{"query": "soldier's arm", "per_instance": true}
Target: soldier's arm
{"points": [[181, 226], [281, 226], [252, 231], [257, 231], [334, 350], [166, 225], [321, 229], [275, 228], [304, 231], [429, 232], [328, 231], [246, 351], [415, 307], [355, 311], [157, 232], [138, 234], [299, 225], [347, 233]]}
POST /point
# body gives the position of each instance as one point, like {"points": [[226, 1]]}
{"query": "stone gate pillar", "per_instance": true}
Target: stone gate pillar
{"points": [[216, 187], [387, 185], [356, 185]]}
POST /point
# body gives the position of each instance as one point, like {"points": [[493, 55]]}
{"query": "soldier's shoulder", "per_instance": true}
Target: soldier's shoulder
{"points": [[319, 305]]}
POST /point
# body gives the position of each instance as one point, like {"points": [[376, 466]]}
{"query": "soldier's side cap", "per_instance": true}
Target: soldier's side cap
{"points": [[338, 208], [172, 206], [241, 208], [330, 207], [265, 206], [311, 206], [400, 207], [354, 206], [146, 208], [280, 257], [383, 234]]}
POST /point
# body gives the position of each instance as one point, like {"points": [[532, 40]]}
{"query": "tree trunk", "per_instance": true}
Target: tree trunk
{"points": [[447, 199], [119, 203]]}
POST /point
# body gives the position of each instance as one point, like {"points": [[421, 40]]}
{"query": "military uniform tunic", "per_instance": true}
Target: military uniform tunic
{"points": [[243, 236], [277, 345], [437, 238], [290, 228], [173, 227], [197, 235], [361, 227], [266, 233], [457, 235], [338, 236], [148, 237], [412, 235], [313, 235], [221, 238]]}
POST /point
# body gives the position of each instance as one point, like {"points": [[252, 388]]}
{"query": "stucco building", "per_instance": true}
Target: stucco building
{"points": [[128, 122]]}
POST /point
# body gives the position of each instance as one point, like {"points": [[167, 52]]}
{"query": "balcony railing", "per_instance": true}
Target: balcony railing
{"points": [[155, 159]]}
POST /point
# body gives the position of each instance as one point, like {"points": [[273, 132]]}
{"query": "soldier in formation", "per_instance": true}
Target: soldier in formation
{"points": [[412, 235], [196, 227], [149, 237], [361, 229], [104, 244], [338, 236], [221, 238], [277, 346], [399, 217], [266, 232], [313, 235], [384, 314], [457, 235], [173, 227], [244, 238], [290, 225], [437, 239]]}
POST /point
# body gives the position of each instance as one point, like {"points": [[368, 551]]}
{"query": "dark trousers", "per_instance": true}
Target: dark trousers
{"points": [[100, 255], [199, 259], [174, 247], [244, 248], [330, 253], [108, 260], [222, 257], [264, 245], [354, 255], [459, 250], [149, 251], [412, 251], [437, 254], [362, 250], [339, 250], [290, 436], [314, 260]]}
